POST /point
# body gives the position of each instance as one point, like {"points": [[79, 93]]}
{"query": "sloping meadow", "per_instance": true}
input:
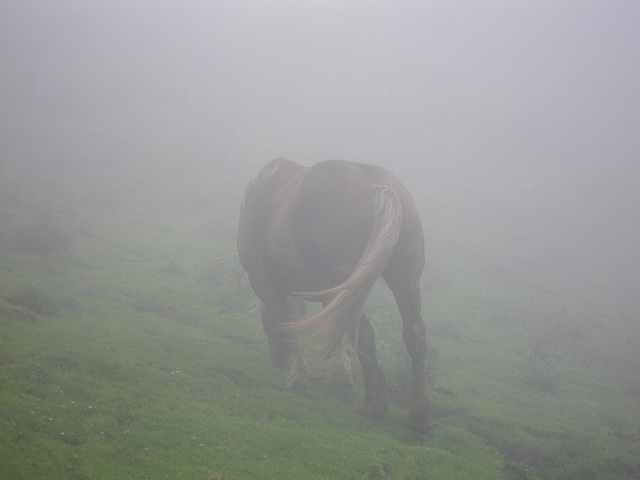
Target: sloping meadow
{"points": [[128, 350]]}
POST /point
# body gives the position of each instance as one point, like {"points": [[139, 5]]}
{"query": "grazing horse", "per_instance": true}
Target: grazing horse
{"points": [[325, 234]]}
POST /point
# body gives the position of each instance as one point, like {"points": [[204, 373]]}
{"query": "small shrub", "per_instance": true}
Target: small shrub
{"points": [[49, 233], [36, 299]]}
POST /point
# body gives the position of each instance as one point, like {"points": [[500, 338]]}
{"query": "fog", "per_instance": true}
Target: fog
{"points": [[514, 124]]}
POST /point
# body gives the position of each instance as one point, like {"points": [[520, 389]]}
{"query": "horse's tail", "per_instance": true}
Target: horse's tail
{"points": [[343, 313]]}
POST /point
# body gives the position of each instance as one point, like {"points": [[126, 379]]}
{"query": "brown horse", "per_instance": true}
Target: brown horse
{"points": [[326, 233]]}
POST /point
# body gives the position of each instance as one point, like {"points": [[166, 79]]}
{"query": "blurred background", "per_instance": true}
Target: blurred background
{"points": [[514, 124]]}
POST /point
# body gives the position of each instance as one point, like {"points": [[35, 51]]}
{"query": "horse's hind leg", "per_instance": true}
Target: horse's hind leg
{"points": [[376, 395], [340, 373], [282, 345], [414, 334]]}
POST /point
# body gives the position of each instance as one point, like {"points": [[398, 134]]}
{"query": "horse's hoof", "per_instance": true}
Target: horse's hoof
{"points": [[418, 423], [373, 410], [279, 361], [341, 382], [297, 376], [300, 390], [303, 391]]}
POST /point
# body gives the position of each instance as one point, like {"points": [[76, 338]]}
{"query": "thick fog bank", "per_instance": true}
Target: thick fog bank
{"points": [[514, 124]]}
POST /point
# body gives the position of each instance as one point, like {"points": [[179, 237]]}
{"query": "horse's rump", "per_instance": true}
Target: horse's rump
{"points": [[343, 312]]}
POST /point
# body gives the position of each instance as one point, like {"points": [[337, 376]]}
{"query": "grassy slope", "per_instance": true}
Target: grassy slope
{"points": [[150, 369]]}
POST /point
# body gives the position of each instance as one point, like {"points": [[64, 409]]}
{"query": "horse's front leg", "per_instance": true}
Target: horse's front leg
{"points": [[282, 344]]}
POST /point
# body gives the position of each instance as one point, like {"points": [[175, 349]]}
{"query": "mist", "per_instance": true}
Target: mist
{"points": [[128, 131], [514, 124]]}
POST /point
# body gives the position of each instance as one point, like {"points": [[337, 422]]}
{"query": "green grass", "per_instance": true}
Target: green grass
{"points": [[126, 346], [130, 354]]}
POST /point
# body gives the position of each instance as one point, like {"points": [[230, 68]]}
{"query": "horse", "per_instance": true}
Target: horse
{"points": [[325, 234]]}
